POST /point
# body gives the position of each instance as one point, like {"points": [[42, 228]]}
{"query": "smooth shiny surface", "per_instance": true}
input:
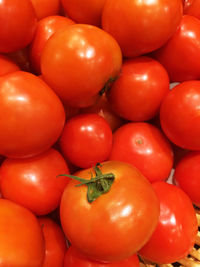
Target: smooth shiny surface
{"points": [[192, 8], [45, 8]]}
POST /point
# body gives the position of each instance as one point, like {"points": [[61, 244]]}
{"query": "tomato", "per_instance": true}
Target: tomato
{"points": [[18, 24], [102, 107], [192, 7], [45, 8], [32, 116], [33, 182], [84, 11], [21, 58], [45, 29], [55, 243], [74, 258], [141, 26], [145, 147], [112, 214], [21, 238], [179, 115], [177, 228], [138, 92], [7, 65], [78, 61], [187, 176], [181, 55], [94, 138]]}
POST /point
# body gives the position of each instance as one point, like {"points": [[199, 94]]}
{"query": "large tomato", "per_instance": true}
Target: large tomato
{"points": [[77, 63], [181, 55], [138, 92], [21, 238], [45, 8], [33, 182], [18, 24], [177, 228], [141, 26], [179, 115], [31, 115], [145, 147], [74, 258], [192, 7], [115, 218], [7, 65]]}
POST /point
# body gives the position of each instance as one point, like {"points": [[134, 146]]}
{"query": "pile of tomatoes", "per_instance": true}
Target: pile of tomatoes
{"points": [[99, 106]]}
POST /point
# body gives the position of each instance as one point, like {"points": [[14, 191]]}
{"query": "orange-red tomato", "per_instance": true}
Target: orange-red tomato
{"points": [[192, 8], [7, 65], [45, 8]]}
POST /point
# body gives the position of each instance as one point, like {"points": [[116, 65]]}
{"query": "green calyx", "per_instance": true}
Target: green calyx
{"points": [[98, 185]]}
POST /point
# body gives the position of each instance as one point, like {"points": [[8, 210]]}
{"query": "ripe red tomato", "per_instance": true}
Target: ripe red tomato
{"points": [[93, 137], [84, 11], [7, 65], [45, 8], [192, 8], [141, 26], [33, 182], [21, 238], [74, 258], [181, 55], [138, 92], [45, 29], [32, 116], [78, 61], [145, 147], [55, 243], [115, 225], [177, 228], [18, 24], [179, 115], [187, 176]]}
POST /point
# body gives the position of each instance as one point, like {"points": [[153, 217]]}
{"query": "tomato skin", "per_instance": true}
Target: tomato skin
{"points": [[45, 29], [18, 23], [181, 55], [74, 258], [84, 11], [134, 23], [32, 119], [177, 228], [7, 65], [192, 7], [138, 92], [45, 8], [21, 58], [186, 176], [106, 234], [55, 243], [94, 138], [78, 61], [144, 143], [21, 238], [33, 182], [179, 115]]}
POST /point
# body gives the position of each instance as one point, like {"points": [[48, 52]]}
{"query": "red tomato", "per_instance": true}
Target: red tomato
{"points": [[78, 61], [179, 115], [74, 258], [21, 238], [84, 11], [141, 26], [187, 176], [181, 55], [177, 228], [192, 7], [115, 225], [45, 8], [55, 243], [145, 147], [93, 137], [45, 29], [18, 24], [32, 116], [138, 92], [7, 65], [33, 182]]}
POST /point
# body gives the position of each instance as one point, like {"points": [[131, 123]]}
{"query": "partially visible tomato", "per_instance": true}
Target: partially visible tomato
{"points": [[177, 228], [21, 238], [18, 24], [145, 147], [45, 8], [192, 8], [7, 65], [138, 92], [115, 219], [77, 63], [21, 58], [55, 243], [74, 258]]}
